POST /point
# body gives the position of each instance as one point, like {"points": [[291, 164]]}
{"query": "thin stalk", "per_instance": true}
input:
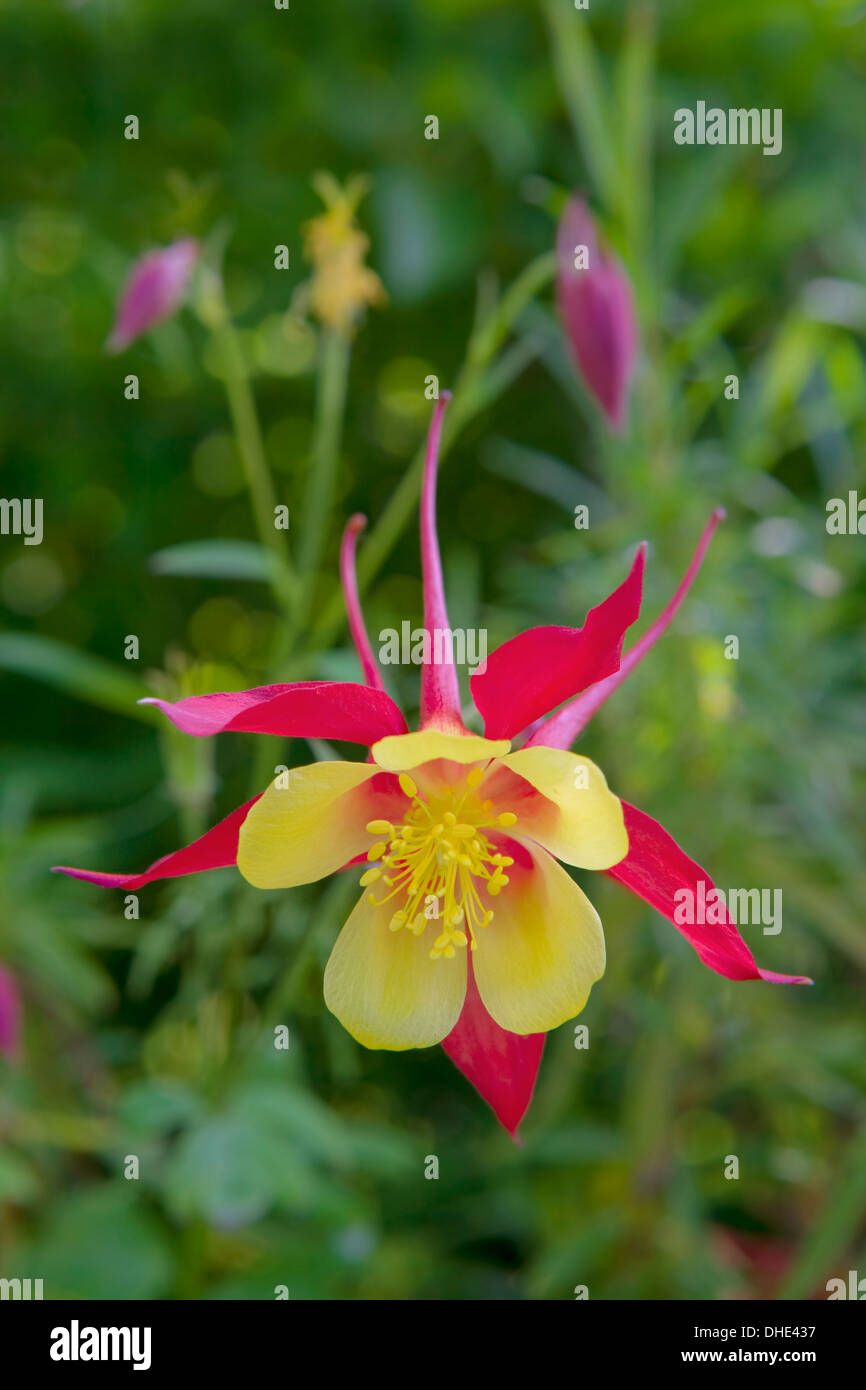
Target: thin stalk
{"points": [[635, 75], [471, 394], [319, 499], [493, 331], [248, 435], [581, 85]]}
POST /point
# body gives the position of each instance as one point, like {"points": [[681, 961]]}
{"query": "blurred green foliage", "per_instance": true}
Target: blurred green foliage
{"points": [[154, 1037]]}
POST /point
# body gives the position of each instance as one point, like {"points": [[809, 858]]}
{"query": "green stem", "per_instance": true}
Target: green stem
{"points": [[635, 76], [581, 85], [471, 394], [318, 502], [492, 333], [249, 440]]}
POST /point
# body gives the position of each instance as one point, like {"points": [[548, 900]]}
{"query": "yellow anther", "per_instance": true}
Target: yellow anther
{"points": [[439, 858]]}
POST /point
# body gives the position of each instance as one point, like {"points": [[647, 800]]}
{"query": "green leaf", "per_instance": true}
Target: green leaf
{"points": [[88, 678], [213, 559], [100, 1245], [160, 1105], [583, 91], [18, 1181], [634, 85], [231, 1172], [295, 1117]]}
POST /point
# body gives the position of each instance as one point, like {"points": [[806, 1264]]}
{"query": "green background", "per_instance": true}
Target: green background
{"points": [[305, 1168]]}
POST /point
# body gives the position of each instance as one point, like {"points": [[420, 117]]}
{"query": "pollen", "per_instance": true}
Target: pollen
{"points": [[436, 865]]}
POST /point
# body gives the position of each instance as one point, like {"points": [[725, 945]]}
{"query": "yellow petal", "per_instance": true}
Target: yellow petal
{"points": [[402, 752], [310, 822], [576, 817], [383, 986], [543, 951]]}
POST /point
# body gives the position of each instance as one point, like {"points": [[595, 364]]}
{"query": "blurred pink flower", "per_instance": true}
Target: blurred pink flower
{"points": [[154, 288], [10, 1013], [597, 309]]}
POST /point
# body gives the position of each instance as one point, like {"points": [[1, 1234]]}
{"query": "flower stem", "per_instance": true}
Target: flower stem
{"points": [[249, 441], [324, 460], [474, 390], [490, 334]]}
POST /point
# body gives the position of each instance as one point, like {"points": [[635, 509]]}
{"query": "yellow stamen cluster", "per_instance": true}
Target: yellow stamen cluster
{"points": [[431, 863]]}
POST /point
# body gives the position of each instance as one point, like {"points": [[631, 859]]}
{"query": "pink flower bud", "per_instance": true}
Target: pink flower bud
{"points": [[154, 288], [10, 1014], [597, 308]]}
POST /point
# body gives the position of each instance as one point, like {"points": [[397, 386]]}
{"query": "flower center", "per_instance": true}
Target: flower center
{"points": [[431, 863]]}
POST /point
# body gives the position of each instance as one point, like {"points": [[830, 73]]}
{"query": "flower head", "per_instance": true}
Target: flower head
{"points": [[467, 929], [153, 291], [597, 309], [341, 285]]}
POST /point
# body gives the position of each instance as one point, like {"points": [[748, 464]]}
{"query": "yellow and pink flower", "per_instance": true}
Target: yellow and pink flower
{"points": [[467, 930]]}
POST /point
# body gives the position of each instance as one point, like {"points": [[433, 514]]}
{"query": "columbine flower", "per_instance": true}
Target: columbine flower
{"points": [[597, 309], [10, 1013], [341, 285], [467, 930], [153, 291]]}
